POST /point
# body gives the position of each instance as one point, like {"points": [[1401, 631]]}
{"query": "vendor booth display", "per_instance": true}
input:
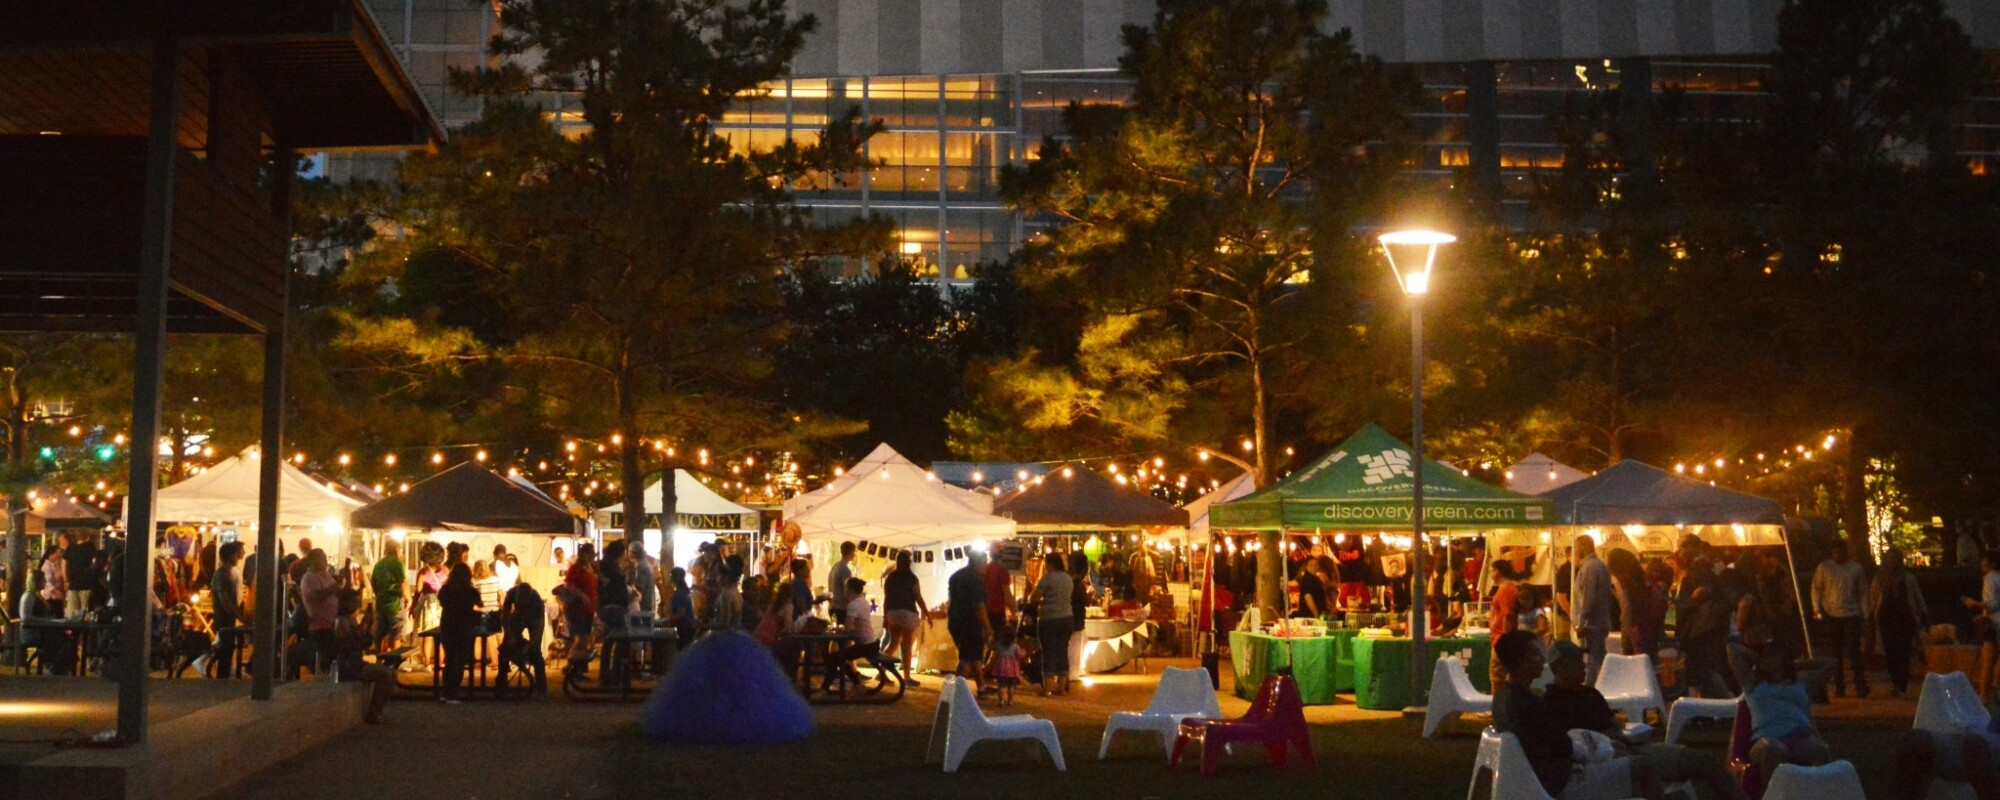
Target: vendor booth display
{"points": [[895, 509], [1366, 485], [883, 459], [1639, 507], [471, 505], [700, 515], [226, 495], [1075, 500]]}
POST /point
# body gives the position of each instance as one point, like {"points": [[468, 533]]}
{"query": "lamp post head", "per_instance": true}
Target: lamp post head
{"points": [[1418, 252]]}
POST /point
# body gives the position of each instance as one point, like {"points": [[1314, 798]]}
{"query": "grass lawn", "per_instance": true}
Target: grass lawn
{"points": [[536, 750]]}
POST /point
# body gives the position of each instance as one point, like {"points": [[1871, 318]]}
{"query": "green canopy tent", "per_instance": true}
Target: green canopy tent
{"points": [[1365, 484]]}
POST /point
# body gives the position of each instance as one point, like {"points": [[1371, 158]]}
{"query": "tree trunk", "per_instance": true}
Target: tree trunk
{"points": [[1270, 559], [1854, 499], [177, 462], [629, 471]]}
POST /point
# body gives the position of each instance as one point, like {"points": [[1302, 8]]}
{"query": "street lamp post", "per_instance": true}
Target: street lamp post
{"points": [[1413, 273]]}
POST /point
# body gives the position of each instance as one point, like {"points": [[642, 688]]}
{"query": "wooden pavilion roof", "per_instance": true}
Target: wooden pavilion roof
{"points": [[258, 79]]}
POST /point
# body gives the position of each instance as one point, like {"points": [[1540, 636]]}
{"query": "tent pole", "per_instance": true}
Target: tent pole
{"points": [[1805, 631]]}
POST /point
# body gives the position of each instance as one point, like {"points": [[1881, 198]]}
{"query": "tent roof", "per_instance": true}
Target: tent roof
{"points": [[1632, 493], [62, 511], [1197, 509], [468, 497], [900, 508], [693, 500], [1084, 498], [992, 474], [228, 491], [883, 457], [1538, 474], [1366, 483]]}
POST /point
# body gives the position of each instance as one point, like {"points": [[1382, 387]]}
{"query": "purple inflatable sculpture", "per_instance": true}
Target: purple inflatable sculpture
{"points": [[726, 689]]}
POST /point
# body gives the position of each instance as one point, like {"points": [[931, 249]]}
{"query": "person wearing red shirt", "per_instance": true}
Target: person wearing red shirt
{"points": [[999, 590], [580, 604]]}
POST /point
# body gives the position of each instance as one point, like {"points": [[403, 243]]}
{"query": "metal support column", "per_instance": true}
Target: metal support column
{"points": [[1419, 584], [135, 589], [271, 459]]}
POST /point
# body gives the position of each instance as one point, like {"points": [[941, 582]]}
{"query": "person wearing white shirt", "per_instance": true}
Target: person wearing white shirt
{"points": [[860, 624], [505, 568], [1838, 586]]}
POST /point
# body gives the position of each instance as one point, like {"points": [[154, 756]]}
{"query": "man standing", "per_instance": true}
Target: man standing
{"points": [[1837, 588], [80, 563], [1591, 602], [999, 591], [226, 588], [1701, 614], [836, 581], [387, 580], [965, 616]]}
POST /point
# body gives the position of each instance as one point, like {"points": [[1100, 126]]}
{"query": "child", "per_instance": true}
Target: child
{"points": [[1781, 716], [1005, 664]]}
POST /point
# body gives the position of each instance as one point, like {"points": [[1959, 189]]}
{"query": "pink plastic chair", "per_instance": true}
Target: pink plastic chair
{"points": [[1277, 718]]}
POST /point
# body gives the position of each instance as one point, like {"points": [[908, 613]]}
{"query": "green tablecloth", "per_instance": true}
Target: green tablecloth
{"points": [[1322, 665], [1382, 668]]}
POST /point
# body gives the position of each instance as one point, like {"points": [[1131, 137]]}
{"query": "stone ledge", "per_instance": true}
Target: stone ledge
{"points": [[199, 754]]}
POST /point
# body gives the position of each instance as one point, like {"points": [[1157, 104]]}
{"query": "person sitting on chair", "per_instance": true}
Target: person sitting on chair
{"points": [[1579, 706], [1543, 728]]}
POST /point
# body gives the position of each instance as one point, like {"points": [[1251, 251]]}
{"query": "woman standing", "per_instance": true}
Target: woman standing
{"points": [[903, 610], [1896, 608], [1641, 609], [458, 604], [1054, 598], [55, 584]]}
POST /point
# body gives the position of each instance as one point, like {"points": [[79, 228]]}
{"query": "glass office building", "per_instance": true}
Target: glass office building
{"points": [[963, 87]]}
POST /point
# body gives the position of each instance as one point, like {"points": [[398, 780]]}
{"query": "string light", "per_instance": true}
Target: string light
{"points": [[389, 459]]}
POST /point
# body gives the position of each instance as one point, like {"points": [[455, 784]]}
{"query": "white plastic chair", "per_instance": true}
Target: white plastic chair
{"points": [[1182, 694], [1949, 704], [1451, 695], [1513, 778], [1688, 709], [1630, 685], [1835, 781], [959, 724]]}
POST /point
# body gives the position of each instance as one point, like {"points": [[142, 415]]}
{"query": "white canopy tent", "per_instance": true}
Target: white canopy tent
{"points": [[898, 509], [227, 494], [1539, 473], [700, 514], [884, 458], [1198, 508]]}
